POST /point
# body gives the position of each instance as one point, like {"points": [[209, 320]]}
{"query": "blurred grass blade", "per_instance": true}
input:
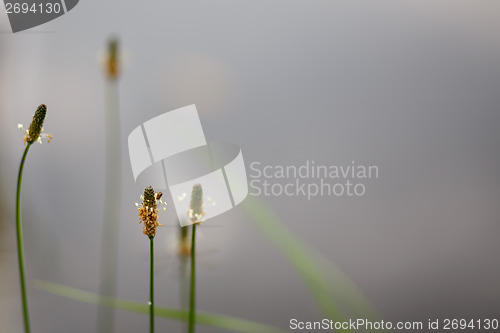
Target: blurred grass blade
{"points": [[353, 300], [202, 318], [296, 254], [325, 280]]}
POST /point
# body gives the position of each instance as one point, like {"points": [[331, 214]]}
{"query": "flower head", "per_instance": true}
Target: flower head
{"points": [[112, 62], [148, 211], [184, 248], [196, 208], [35, 131], [195, 212]]}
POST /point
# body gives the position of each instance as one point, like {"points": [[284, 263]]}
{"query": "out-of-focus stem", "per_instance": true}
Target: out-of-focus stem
{"points": [[112, 199]]}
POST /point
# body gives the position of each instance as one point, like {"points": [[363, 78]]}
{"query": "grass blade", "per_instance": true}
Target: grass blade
{"points": [[202, 318], [331, 288]]}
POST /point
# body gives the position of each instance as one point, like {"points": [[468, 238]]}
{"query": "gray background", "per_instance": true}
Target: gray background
{"points": [[412, 87]]}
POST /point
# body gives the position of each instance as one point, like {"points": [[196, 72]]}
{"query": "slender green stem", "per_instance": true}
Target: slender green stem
{"points": [[151, 287], [192, 292], [20, 257], [184, 275]]}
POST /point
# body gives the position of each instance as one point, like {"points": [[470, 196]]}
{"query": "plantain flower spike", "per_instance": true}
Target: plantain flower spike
{"points": [[196, 212], [148, 212], [35, 131], [112, 65], [184, 248]]}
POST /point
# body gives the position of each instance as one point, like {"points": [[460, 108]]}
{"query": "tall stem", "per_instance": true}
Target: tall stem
{"points": [[112, 204], [20, 256], [151, 288], [192, 292], [184, 275]]}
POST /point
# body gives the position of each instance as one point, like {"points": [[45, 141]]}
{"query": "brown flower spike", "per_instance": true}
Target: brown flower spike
{"points": [[112, 66], [148, 212]]}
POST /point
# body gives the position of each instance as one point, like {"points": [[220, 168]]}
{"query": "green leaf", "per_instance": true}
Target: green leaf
{"points": [[203, 318], [329, 286]]}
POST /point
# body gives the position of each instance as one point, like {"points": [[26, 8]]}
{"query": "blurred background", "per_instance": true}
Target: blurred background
{"points": [[412, 87]]}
